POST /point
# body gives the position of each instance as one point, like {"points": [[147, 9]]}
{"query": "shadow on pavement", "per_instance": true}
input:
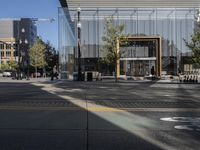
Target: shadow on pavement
{"points": [[42, 117], [144, 125]]}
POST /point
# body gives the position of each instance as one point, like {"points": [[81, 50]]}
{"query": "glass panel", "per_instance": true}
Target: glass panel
{"points": [[66, 43], [173, 25]]}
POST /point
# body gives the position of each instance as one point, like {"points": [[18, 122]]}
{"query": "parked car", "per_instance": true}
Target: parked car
{"points": [[6, 73]]}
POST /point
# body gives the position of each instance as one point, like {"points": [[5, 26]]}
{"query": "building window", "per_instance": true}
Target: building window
{"points": [[8, 46], [2, 54], [15, 53], [1, 46], [8, 53], [15, 46]]}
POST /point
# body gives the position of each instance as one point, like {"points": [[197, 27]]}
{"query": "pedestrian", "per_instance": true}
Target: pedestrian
{"points": [[152, 73], [185, 79], [44, 73], [56, 75], [55, 72], [52, 75]]}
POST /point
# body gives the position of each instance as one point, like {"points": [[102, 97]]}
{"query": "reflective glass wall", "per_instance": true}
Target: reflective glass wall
{"points": [[67, 44], [173, 25]]}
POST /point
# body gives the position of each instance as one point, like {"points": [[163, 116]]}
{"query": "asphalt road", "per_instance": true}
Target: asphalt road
{"points": [[63, 115]]}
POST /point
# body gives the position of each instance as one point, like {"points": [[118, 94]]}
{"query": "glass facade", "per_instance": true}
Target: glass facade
{"points": [[172, 25], [67, 43]]}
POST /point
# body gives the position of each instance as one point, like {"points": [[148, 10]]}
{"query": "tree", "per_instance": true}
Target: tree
{"points": [[194, 46], [51, 56], [12, 65], [37, 55], [5, 66], [112, 35]]}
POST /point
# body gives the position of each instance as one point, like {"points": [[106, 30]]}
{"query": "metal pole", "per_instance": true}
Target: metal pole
{"points": [[19, 55], [79, 46], [19, 59], [27, 57], [28, 67]]}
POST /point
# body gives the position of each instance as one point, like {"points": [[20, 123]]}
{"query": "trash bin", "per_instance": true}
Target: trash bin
{"points": [[89, 76]]}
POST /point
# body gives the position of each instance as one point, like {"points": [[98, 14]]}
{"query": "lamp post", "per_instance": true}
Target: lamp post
{"points": [[79, 44], [27, 58], [19, 55], [198, 18], [23, 49], [22, 53]]}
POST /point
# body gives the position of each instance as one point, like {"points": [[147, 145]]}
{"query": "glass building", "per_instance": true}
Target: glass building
{"points": [[157, 37]]}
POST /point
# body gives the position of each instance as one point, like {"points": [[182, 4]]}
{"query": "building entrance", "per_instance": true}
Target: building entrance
{"points": [[139, 67], [140, 55]]}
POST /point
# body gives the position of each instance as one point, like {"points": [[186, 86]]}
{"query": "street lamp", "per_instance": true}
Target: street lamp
{"points": [[79, 44], [27, 59], [198, 18], [22, 53]]}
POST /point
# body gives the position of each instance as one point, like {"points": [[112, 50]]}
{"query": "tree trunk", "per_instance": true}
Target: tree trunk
{"points": [[35, 72], [116, 79]]}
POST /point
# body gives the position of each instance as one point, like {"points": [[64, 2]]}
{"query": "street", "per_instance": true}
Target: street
{"points": [[66, 115]]}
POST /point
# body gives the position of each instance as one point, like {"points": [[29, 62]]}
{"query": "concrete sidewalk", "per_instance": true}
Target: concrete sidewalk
{"points": [[107, 80], [166, 81], [8, 79]]}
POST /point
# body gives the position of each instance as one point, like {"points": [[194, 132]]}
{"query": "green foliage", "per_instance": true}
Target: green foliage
{"points": [[113, 34], [194, 46], [37, 54], [51, 56], [13, 65], [5, 66]]}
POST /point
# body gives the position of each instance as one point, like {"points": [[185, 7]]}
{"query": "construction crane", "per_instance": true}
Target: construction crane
{"points": [[32, 19]]}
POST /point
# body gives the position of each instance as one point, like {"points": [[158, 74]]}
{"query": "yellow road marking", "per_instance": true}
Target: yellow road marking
{"points": [[100, 109], [39, 108], [107, 109], [104, 109]]}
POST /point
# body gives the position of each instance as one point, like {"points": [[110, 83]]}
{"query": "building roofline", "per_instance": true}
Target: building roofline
{"points": [[131, 3]]}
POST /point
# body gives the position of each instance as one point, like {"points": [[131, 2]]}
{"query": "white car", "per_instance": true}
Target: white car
{"points": [[6, 74]]}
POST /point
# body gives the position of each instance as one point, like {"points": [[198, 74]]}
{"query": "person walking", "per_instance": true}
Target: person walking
{"points": [[152, 73], [55, 72], [52, 75]]}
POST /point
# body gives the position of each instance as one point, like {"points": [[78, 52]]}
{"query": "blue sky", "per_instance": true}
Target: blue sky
{"points": [[34, 9]]}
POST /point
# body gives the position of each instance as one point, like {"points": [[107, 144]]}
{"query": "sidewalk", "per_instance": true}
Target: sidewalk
{"points": [[8, 79], [107, 80], [123, 82]]}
